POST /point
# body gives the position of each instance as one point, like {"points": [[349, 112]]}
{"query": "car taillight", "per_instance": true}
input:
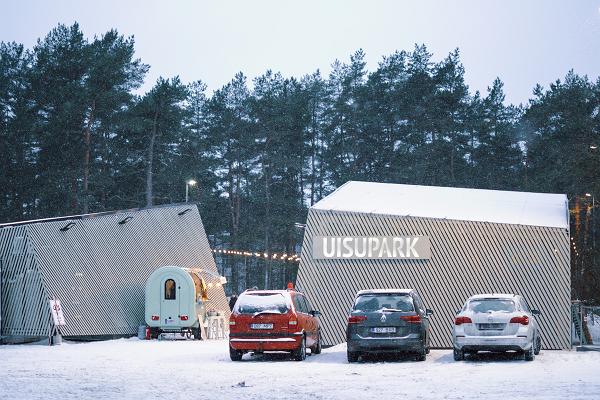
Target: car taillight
{"points": [[462, 320], [524, 320], [231, 322], [155, 318], [356, 319], [415, 319], [293, 322], [183, 317]]}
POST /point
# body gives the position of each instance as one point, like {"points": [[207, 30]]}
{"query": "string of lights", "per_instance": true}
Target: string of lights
{"points": [[574, 246], [265, 256]]}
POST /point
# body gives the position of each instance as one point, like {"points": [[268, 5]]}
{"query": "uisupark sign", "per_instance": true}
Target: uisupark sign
{"points": [[367, 247]]}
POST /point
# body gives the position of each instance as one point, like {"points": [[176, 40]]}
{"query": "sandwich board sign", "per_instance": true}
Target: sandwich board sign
{"points": [[57, 313]]}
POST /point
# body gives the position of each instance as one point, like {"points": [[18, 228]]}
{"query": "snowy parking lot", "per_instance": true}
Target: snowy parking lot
{"points": [[137, 369]]}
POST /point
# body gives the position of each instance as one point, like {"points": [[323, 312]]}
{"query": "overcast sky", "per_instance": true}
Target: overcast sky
{"points": [[523, 42]]}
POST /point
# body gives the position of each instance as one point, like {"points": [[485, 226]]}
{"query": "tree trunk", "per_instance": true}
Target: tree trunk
{"points": [[86, 157], [149, 163]]}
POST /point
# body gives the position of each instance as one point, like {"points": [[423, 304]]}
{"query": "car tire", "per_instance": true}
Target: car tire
{"points": [[235, 355], [300, 353], [316, 349], [538, 345], [198, 333], [352, 356], [422, 355], [530, 354], [459, 355]]}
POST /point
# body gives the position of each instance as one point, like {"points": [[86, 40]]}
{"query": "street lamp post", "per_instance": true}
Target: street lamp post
{"points": [[189, 183], [593, 216]]}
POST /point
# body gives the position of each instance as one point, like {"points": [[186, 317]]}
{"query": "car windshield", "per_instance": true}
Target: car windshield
{"points": [[491, 305], [261, 303], [376, 302]]}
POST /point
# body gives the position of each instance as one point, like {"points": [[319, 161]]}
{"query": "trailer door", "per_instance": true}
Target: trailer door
{"points": [[169, 303]]}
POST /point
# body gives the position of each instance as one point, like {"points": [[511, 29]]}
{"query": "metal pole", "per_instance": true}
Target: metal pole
{"points": [[594, 227], [186, 192]]}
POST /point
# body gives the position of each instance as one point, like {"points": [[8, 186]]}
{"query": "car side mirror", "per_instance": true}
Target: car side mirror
{"points": [[536, 312], [428, 311], [315, 313]]}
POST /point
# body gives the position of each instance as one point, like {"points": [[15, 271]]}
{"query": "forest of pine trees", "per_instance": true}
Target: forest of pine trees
{"points": [[75, 137]]}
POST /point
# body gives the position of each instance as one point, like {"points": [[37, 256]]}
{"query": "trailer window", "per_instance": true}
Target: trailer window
{"points": [[169, 289]]}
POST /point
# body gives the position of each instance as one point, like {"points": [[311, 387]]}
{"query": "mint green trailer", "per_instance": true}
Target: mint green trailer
{"points": [[174, 300]]}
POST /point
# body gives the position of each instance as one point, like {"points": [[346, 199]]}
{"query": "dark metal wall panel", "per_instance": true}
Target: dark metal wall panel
{"points": [[24, 309], [98, 268], [467, 258]]}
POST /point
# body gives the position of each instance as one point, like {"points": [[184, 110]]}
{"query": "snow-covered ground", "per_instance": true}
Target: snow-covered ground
{"points": [[137, 369]]}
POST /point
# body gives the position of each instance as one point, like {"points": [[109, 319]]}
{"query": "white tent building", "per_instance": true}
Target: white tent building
{"points": [[448, 243], [96, 265]]}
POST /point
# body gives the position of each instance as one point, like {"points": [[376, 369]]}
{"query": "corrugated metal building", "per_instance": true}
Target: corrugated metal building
{"points": [[97, 266], [448, 243]]}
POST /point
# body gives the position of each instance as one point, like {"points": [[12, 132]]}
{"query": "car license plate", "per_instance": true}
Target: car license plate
{"points": [[386, 329], [261, 326], [491, 327]]}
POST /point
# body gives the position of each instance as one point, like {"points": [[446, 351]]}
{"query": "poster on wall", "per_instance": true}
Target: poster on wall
{"points": [[57, 313]]}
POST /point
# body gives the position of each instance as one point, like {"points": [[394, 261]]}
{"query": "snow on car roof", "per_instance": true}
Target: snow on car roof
{"points": [[492, 296], [384, 291], [521, 208]]}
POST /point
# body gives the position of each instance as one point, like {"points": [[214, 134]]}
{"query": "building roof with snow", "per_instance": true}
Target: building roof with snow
{"points": [[496, 206]]}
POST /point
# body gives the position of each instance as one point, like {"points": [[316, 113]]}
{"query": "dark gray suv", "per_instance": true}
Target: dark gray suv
{"points": [[388, 321]]}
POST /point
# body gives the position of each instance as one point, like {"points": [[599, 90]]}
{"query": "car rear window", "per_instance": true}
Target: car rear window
{"points": [[261, 302], [487, 305], [375, 302]]}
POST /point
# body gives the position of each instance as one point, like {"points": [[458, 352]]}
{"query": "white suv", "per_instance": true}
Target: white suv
{"points": [[498, 323]]}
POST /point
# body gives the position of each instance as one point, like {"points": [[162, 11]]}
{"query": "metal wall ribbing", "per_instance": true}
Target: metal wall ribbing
{"points": [[97, 268], [467, 258], [24, 306]]}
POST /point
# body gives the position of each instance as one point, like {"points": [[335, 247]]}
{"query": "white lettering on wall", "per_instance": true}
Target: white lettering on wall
{"points": [[370, 247]]}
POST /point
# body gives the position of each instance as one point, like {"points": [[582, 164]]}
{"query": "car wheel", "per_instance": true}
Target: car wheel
{"points": [[421, 356], [530, 354], [316, 349], [198, 333], [459, 355], [352, 356], [300, 353], [235, 355], [538, 345]]}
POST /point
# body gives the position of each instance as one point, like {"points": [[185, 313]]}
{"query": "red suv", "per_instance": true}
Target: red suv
{"points": [[273, 320]]}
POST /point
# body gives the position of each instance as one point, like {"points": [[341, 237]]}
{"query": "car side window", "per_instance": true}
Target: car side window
{"points": [[419, 304], [304, 304], [524, 306], [308, 305], [299, 303]]}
